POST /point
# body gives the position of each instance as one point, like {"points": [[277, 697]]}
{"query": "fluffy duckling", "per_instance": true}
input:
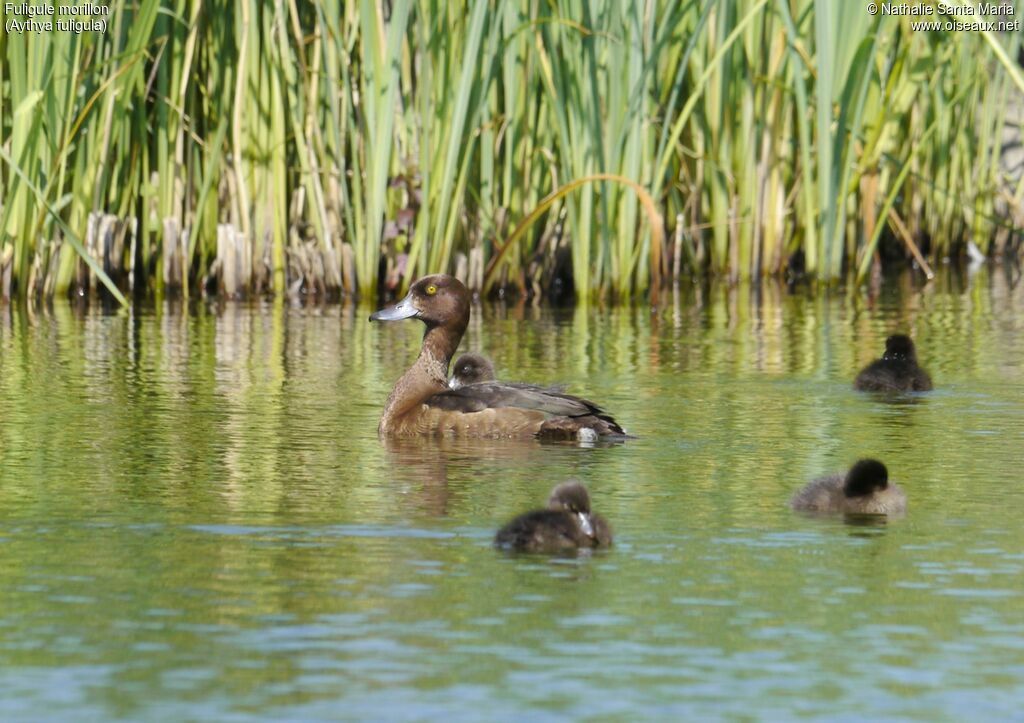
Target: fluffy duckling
{"points": [[896, 371], [471, 368], [865, 489], [566, 524]]}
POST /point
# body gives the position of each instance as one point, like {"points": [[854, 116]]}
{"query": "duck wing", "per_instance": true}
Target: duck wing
{"points": [[490, 395], [555, 388]]}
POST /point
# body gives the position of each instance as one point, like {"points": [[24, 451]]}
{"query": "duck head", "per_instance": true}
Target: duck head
{"points": [[471, 368], [899, 347], [572, 497], [437, 300], [865, 478]]}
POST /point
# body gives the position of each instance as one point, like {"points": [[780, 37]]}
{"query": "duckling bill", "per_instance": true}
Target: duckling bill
{"points": [[865, 490], [421, 402], [566, 524], [896, 371]]}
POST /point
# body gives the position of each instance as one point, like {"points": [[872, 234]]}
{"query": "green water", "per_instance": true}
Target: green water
{"points": [[197, 520]]}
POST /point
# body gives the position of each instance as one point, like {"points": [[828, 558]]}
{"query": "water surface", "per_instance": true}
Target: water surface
{"points": [[197, 520]]}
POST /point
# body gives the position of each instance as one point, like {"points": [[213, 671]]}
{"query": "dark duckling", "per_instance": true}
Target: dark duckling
{"points": [[865, 490], [471, 368], [422, 404], [566, 524], [896, 371]]}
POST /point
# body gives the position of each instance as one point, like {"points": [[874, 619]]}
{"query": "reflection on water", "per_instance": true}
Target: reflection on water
{"points": [[197, 519]]}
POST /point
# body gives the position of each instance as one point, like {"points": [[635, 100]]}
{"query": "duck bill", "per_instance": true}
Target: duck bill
{"points": [[585, 524], [404, 309]]}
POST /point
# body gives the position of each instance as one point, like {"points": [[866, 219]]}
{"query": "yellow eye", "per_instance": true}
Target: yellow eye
{"points": [[431, 290]]}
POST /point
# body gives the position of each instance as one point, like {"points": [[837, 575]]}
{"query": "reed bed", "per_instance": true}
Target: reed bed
{"points": [[597, 148]]}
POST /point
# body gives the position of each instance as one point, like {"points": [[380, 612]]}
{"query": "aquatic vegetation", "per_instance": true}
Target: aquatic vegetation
{"points": [[337, 147]]}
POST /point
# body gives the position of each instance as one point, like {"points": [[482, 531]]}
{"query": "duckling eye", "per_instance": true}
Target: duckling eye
{"points": [[431, 290]]}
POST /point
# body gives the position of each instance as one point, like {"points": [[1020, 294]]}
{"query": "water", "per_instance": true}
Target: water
{"points": [[197, 520]]}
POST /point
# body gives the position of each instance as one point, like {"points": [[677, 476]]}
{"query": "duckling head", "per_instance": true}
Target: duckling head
{"points": [[866, 477], [572, 497], [471, 368], [899, 347]]}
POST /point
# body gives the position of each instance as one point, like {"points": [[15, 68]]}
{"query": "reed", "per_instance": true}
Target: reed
{"points": [[334, 147]]}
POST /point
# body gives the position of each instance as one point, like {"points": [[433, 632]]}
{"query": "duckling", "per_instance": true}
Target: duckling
{"points": [[896, 371], [421, 403], [566, 524], [865, 489], [471, 368]]}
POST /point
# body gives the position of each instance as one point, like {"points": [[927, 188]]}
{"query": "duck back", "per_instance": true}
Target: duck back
{"points": [[826, 494], [541, 531], [551, 531], [893, 375], [557, 415]]}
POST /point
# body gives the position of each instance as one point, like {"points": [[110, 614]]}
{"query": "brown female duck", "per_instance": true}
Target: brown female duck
{"points": [[864, 490], [896, 371], [422, 404], [566, 524]]}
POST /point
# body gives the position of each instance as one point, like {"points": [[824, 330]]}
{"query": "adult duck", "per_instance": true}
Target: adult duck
{"points": [[896, 371], [421, 402]]}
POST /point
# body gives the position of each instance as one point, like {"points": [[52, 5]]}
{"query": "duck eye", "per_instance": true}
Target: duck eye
{"points": [[431, 290]]}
